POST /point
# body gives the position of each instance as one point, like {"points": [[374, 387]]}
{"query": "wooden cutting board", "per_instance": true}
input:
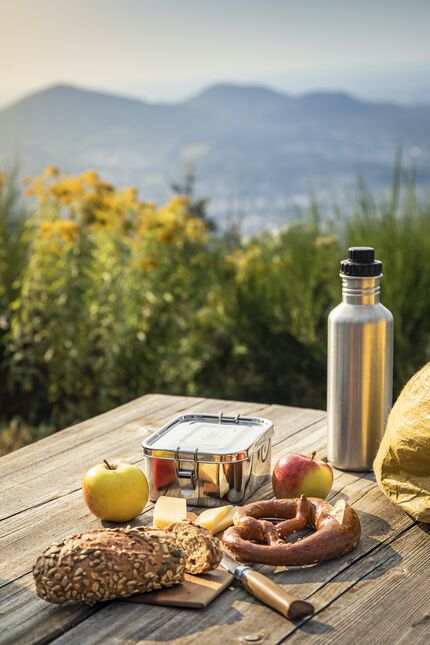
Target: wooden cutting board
{"points": [[195, 592]]}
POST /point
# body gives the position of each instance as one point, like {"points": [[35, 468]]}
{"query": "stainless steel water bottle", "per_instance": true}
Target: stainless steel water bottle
{"points": [[360, 364]]}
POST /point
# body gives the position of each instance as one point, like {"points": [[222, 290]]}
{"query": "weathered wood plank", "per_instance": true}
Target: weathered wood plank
{"points": [[359, 493], [25, 621], [235, 615], [68, 437], [75, 436], [28, 618], [393, 587], [62, 473], [20, 535]]}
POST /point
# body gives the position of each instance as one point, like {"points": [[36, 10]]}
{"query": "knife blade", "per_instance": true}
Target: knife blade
{"points": [[267, 591]]}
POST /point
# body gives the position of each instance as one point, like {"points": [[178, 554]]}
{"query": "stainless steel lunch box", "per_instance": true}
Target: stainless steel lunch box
{"points": [[210, 459]]}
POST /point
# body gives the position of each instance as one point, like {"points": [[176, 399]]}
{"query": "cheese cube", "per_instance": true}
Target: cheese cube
{"points": [[216, 519], [168, 510]]}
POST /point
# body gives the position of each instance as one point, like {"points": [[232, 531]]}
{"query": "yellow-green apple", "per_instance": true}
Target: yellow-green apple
{"points": [[115, 492], [295, 475]]}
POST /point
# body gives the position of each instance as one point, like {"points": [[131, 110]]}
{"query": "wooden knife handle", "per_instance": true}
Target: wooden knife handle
{"points": [[273, 595]]}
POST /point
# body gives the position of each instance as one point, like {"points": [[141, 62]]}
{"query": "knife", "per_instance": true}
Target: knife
{"points": [[267, 591]]}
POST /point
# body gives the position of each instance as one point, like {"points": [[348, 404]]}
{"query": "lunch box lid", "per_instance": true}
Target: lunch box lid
{"points": [[208, 438]]}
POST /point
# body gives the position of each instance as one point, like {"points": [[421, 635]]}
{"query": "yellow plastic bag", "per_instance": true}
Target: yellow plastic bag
{"points": [[402, 465]]}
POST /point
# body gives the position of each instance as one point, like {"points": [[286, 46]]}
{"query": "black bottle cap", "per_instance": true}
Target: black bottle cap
{"points": [[361, 263]]}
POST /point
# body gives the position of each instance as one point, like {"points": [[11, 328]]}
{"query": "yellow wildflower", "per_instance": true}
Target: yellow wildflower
{"points": [[195, 230], [66, 230], [247, 262], [46, 229], [51, 171], [89, 201], [90, 177]]}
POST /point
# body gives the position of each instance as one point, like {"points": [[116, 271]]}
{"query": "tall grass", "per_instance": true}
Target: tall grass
{"points": [[399, 228], [13, 257]]}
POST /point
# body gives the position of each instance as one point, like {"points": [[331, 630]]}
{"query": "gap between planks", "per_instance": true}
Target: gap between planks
{"points": [[413, 554]]}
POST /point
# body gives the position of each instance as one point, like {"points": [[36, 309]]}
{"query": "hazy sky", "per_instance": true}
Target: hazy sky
{"points": [[167, 49]]}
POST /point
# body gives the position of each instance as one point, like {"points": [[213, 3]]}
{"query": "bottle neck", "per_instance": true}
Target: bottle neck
{"points": [[360, 291]]}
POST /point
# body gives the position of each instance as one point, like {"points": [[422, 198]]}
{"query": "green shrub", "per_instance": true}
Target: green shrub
{"points": [[106, 298]]}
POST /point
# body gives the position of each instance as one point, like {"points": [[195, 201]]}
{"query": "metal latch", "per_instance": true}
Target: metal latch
{"points": [[187, 477], [222, 418]]}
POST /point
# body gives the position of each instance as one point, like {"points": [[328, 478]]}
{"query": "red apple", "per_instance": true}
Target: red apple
{"points": [[164, 473], [295, 475]]}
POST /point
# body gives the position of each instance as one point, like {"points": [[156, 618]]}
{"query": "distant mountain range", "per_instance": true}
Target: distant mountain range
{"points": [[256, 152]]}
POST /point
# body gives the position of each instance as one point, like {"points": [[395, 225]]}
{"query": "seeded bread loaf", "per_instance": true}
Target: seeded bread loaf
{"points": [[201, 549], [108, 563]]}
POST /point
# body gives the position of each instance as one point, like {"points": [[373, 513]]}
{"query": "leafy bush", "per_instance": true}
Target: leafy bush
{"points": [[106, 297]]}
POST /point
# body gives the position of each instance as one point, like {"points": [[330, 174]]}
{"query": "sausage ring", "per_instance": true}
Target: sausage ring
{"points": [[337, 531]]}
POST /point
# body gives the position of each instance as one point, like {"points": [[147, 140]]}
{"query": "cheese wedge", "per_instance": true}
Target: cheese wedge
{"points": [[226, 521], [209, 473], [214, 474], [168, 510], [216, 519]]}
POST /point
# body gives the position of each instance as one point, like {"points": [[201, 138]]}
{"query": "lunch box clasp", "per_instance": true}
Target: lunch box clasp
{"points": [[187, 474], [224, 419]]}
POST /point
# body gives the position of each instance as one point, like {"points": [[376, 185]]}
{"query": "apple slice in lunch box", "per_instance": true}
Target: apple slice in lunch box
{"points": [[164, 470]]}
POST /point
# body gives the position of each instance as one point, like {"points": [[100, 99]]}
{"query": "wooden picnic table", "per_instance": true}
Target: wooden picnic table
{"points": [[379, 593]]}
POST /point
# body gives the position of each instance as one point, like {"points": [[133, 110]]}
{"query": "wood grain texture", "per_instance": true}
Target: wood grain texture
{"points": [[41, 502], [196, 592]]}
